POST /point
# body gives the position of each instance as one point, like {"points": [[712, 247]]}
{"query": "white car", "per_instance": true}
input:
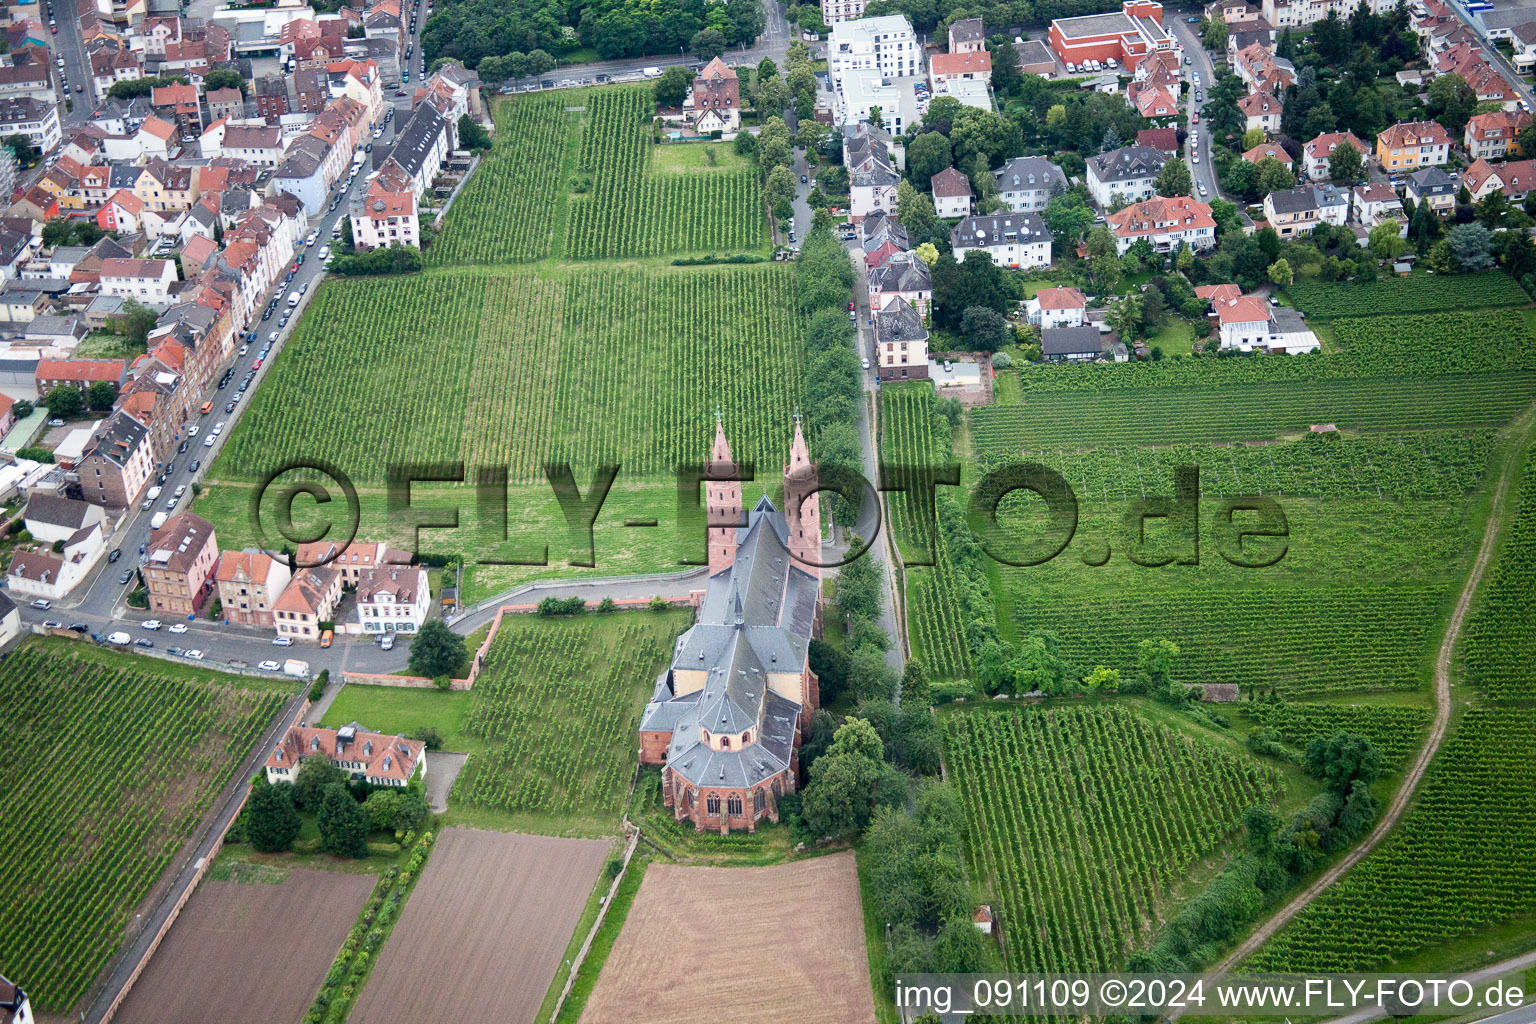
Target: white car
{"points": [[387, 643], [193, 429], [181, 489], [309, 240], [210, 440], [269, 666], [121, 639], [325, 252], [177, 627], [282, 641], [218, 428], [150, 624], [195, 655], [865, 363]]}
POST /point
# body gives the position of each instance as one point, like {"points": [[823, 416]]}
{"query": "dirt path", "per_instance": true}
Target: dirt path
{"points": [[1410, 784]]}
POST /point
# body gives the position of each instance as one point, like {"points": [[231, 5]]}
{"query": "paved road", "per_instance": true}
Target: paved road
{"points": [[1496, 58], [1199, 135], [1481, 976]]}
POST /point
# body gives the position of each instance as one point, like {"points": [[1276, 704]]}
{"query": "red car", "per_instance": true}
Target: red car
{"points": [[256, 365], [293, 269]]}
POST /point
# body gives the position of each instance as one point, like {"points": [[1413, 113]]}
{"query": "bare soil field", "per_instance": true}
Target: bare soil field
{"points": [[248, 953], [484, 929], [785, 942]]}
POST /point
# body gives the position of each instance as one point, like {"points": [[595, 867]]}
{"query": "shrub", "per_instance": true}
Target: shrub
{"points": [[659, 604], [1001, 360]]}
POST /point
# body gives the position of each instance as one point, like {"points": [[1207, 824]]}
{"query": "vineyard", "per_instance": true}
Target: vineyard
{"points": [[632, 211], [558, 704], [911, 433], [1396, 730], [1501, 649], [1084, 821], [505, 213], [109, 768], [1458, 861], [1417, 294], [611, 365]]}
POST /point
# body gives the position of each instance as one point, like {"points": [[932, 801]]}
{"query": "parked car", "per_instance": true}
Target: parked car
{"points": [[269, 666], [195, 655], [141, 642], [125, 576], [177, 627], [120, 638], [386, 642], [150, 624], [55, 422], [52, 624], [282, 641], [195, 466], [79, 627]]}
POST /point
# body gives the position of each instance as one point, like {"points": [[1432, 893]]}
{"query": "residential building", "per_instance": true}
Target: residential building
{"points": [[52, 517], [1019, 240], [118, 463], [352, 561], [951, 193], [901, 342], [1124, 175], [886, 44], [36, 119], [1268, 151], [967, 35], [393, 599], [1261, 110], [1165, 223], [1515, 178], [1261, 71], [1434, 188], [727, 716], [972, 65], [178, 105], [1124, 37], [1246, 323], [1414, 144], [1524, 39], [309, 599], [367, 756], [1027, 183], [1294, 212], [858, 93], [884, 238], [872, 177], [249, 583], [271, 97], [259, 146], [44, 573], [1295, 13], [225, 103], [904, 277], [1152, 101], [1316, 154], [12, 999], [420, 148], [381, 219], [78, 373], [1071, 344], [1491, 136], [1057, 307], [834, 11], [147, 281], [713, 103], [1376, 203], [183, 555]]}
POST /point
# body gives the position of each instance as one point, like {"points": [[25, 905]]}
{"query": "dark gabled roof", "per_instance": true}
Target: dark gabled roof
{"points": [[1026, 173], [417, 138], [1127, 162], [1293, 200], [901, 273], [1071, 341], [898, 321], [57, 510], [994, 229]]}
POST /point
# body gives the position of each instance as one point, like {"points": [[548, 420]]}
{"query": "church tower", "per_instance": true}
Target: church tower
{"points": [[802, 506], [722, 501]]}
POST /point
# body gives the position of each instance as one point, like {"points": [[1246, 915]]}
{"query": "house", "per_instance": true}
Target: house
{"points": [[309, 599], [369, 756], [1165, 222], [904, 277], [52, 517], [52, 575], [1124, 175], [727, 715], [393, 599], [271, 97], [225, 103], [1164, 140], [901, 342], [885, 44], [248, 583], [1375, 204], [967, 35], [713, 103], [834, 11], [1515, 178], [1027, 183], [12, 999], [183, 555], [872, 177], [118, 463], [1124, 37], [858, 93], [1261, 71], [78, 373], [1152, 101], [1239, 37], [1071, 344], [1247, 323], [38, 120], [147, 281], [883, 238], [1268, 151], [1316, 154], [382, 218], [1491, 136], [178, 105], [1409, 145], [1295, 13], [1057, 307], [1233, 12], [1434, 188], [353, 561], [951, 194], [260, 146], [1019, 240], [420, 148], [1294, 212], [972, 65], [1243, 322], [1524, 39], [1261, 110]]}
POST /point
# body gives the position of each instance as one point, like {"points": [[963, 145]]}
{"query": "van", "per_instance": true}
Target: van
{"points": [[152, 493], [158, 520], [326, 637], [207, 407], [651, 72], [293, 298]]}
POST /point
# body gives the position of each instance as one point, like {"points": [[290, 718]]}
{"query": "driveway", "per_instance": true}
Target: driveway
{"points": [[443, 769]]}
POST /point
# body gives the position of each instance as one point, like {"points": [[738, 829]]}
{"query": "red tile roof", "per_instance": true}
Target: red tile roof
{"points": [[978, 63], [1060, 298]]}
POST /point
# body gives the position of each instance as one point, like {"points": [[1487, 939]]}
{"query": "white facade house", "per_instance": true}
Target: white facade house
{"points": [[383, 219], [1128, 174], [1011, 239], [872, 177], [886, 44], [36, 119], [1026, 183], [951, 194], [51, 575], [1057, 307], [857, 94], [1165, 223], [147, 281], [1316, 154], [51, 518], [393, 599]]}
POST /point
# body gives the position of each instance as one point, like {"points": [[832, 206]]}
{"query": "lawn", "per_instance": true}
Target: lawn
{"points": [[399, 710], [1175, 338], [696, 156]]}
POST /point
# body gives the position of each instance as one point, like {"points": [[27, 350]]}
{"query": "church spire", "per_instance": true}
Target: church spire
{"points": [[799, 455], [721, 453], [802, 505], [722, 496]]}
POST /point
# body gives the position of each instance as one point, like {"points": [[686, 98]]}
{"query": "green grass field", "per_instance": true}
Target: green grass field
{"points": [[111, 764]]}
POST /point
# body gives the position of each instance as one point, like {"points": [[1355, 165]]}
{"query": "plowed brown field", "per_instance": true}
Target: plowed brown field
{"points": [[775, 945], [248, 953], [484, 929]]}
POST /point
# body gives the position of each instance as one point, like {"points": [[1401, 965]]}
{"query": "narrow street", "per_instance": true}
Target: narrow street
{"points": [[1199, 140]]}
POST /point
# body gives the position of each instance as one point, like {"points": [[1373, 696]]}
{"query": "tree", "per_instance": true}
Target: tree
{"points": [[65, 402], [100, 395], [869, 675], [472, 135], [437, 650], [1451, 102], [343, 823], [915, 691], [137, 321], [1006, 72], [1174, 179], [707, 44], [381, 806], [271, 821], [1342, 760], [779, 192], [1155, 660], [1037, 666], [1385, 241], [1213, 34], [1273, 176], [1280, 273], [672, 87], [831, 666], [1471, 248], [927, 253], [983, 329], [316, 774], [928, 155], [1253, 137], [840, 794], [223, 78], [1124, 316], [1346, 165], [22, 147], [916, 212], [1101, 680]]}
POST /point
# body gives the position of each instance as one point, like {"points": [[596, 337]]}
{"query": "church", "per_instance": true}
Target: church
{"points": [[728, 715]]}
